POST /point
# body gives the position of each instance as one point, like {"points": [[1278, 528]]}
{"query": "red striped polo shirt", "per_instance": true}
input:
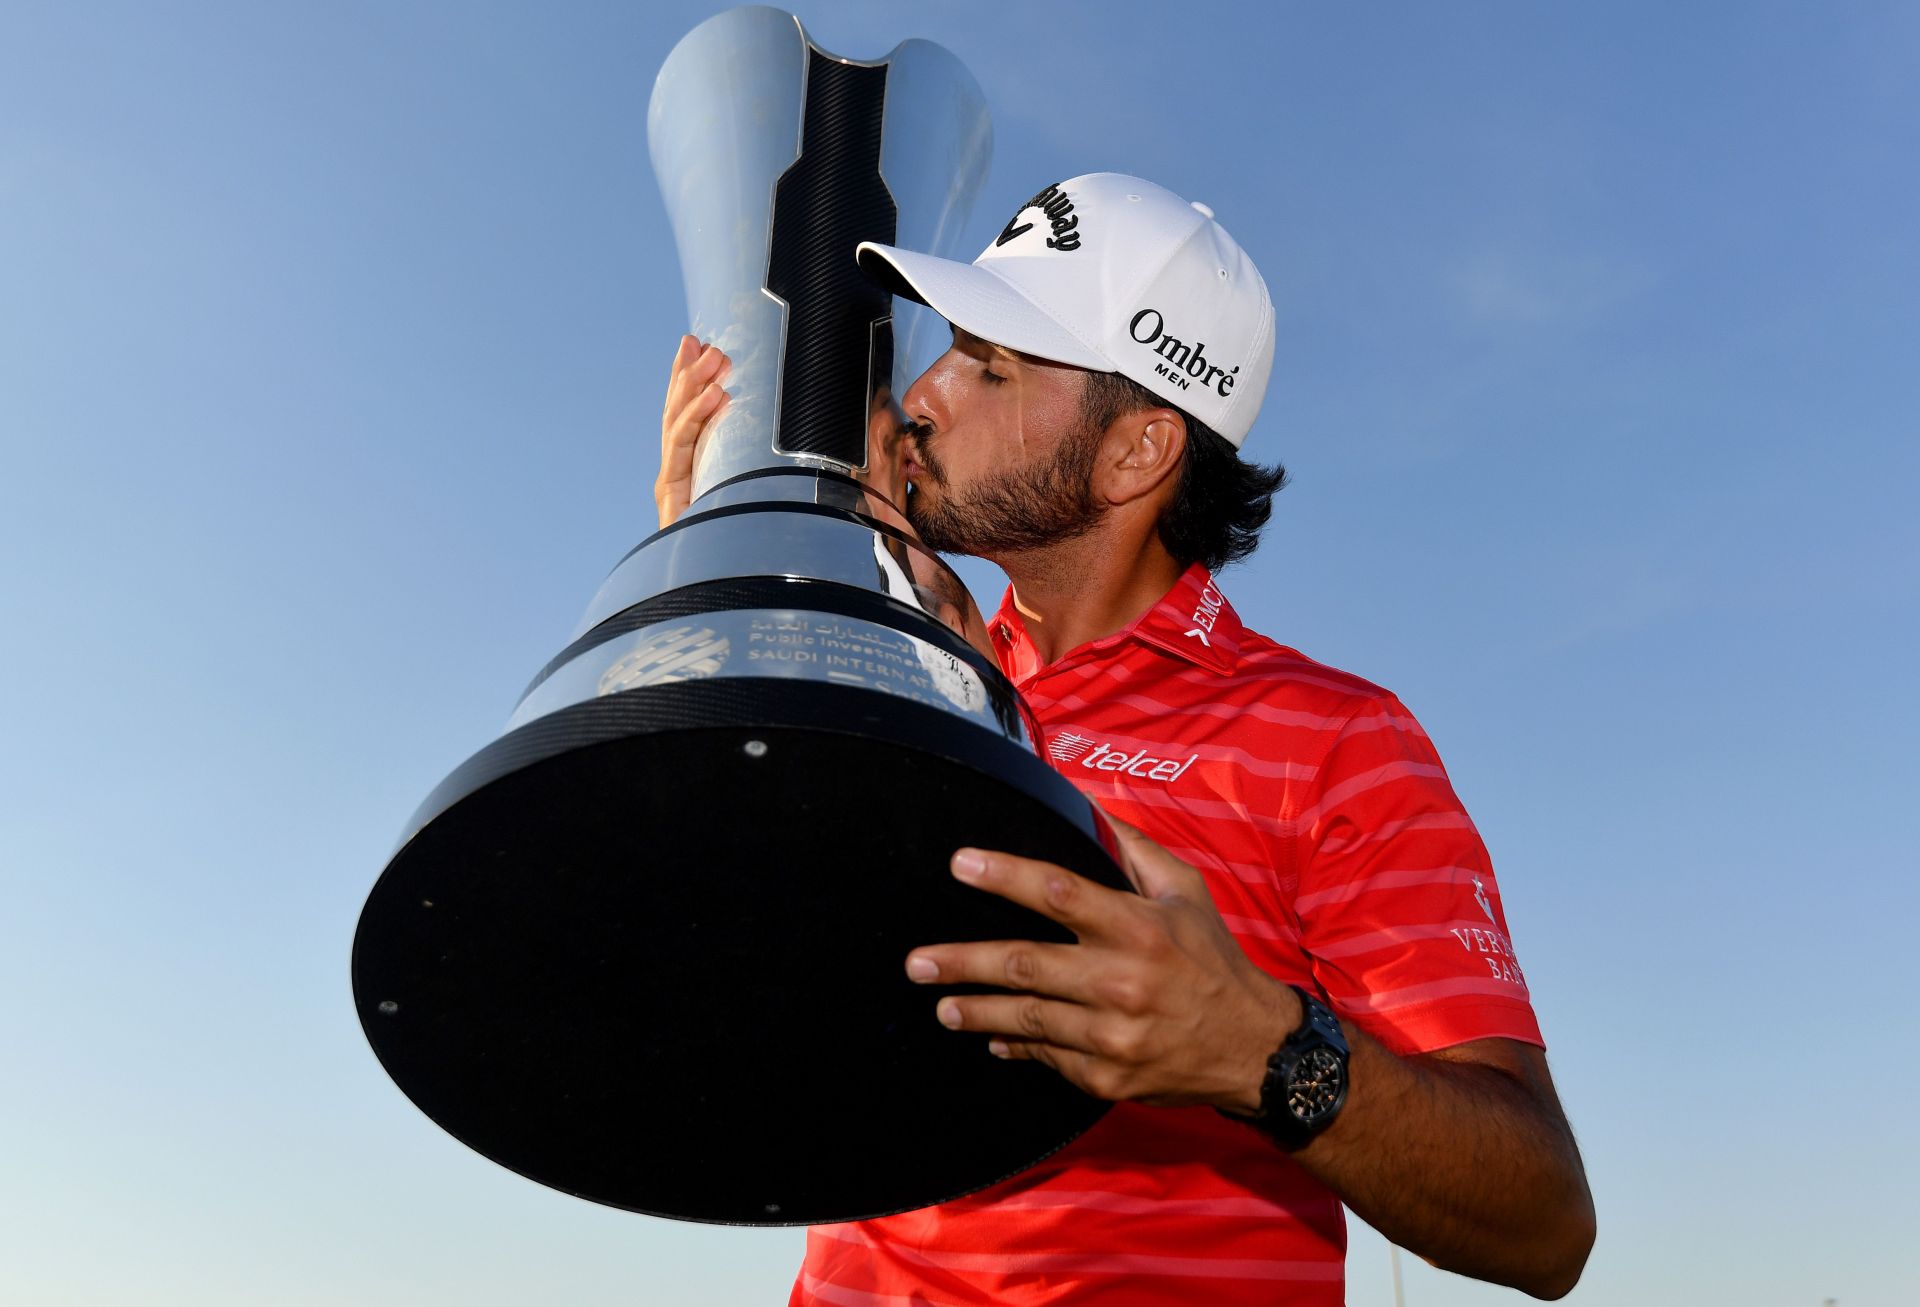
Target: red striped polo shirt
{"points": [[1342, 861]]}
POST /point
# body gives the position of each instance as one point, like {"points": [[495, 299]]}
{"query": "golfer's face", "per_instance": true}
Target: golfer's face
{"points": [[983, 410]]}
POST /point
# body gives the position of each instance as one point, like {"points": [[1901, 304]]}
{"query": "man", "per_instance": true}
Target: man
{"points": [[1313, 998]]}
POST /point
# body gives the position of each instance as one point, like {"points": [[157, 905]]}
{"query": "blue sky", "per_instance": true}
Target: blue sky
{"points": [[331, 343]]}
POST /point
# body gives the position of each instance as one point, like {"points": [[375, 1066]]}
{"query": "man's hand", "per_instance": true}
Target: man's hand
{"points": [[1155, 1002], [694, 399], [1462, 1156]]}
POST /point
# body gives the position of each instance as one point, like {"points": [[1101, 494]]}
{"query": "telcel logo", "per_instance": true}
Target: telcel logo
{"points": [[1094, 756]]}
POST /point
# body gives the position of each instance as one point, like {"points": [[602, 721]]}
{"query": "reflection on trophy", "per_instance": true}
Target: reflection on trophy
{"points": [[647, 947]]}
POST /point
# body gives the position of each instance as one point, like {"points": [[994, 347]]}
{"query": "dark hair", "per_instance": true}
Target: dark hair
{"points": [[1222, 501]]}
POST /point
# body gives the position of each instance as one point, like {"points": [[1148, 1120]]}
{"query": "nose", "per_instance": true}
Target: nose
{"points": [[925, 400]]}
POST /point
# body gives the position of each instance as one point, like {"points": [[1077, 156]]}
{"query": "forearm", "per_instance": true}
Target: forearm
{"points": [[1464, 1158]]}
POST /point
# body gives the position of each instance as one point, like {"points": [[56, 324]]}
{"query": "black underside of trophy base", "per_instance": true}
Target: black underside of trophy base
{"points": [[660, 964]]}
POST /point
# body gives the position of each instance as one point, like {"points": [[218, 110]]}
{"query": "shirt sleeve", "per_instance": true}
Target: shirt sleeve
{"points": [[1400, 915]]}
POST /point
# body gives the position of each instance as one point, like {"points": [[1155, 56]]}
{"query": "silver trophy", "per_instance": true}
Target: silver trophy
{"points": [[647, 947]]}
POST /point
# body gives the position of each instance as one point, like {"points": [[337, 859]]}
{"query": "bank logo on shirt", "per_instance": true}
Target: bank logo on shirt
{"points": [[1068, 748], [1491, 946]]}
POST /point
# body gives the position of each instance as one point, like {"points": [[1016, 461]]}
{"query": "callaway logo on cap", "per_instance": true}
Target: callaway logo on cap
{"points": [[1112, 273]]}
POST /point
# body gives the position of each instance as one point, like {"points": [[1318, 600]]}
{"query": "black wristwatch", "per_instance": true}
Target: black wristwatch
{"points": [[1306, 1079]]}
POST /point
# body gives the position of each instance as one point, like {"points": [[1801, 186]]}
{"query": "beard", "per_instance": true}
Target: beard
{"points": [[1009, 512]]}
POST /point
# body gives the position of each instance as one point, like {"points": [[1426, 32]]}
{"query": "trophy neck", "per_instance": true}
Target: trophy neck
{"points": [[775, 160]]}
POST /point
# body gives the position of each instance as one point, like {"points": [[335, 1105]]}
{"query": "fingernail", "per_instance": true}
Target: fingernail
{"points": [[949, 1014], [996, 1047], [968, 864], [922, 969]]}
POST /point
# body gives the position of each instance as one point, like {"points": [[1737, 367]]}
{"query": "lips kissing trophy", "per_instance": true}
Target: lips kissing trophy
{"points": [[647, 947]]}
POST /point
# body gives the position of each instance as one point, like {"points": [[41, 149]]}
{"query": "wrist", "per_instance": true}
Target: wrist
{"points": [[1280, 1015], [1305, 1084]]}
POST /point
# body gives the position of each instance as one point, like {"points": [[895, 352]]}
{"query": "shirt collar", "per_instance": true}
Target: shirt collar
{"points": [[1192, 621]]}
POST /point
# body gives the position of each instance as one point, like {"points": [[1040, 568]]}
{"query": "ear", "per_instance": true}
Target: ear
{"points": [[1139, 455]]}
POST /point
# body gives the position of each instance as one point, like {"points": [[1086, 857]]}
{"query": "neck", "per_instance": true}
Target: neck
{"points": [[1081, 590]]}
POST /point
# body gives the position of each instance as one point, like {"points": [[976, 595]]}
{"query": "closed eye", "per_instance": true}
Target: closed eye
{"points": [[983, 353]]}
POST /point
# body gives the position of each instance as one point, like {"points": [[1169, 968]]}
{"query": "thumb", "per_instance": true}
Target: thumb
{"points": [[1156, 873]]}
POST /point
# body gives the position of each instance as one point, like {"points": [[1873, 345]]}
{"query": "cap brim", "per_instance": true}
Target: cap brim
{"points": [[977, 301]]}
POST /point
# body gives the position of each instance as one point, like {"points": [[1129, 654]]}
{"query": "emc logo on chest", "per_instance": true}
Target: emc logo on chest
{"points": [[1067, 747]]}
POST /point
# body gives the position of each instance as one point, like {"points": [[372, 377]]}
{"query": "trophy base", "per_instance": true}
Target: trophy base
{"points": [[569, 970]]}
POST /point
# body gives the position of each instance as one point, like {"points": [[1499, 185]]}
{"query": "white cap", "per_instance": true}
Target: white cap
{"points": [[1115, 274]]}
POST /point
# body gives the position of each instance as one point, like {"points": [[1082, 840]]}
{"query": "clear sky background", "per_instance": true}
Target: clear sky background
{"points": [[332, 340]]}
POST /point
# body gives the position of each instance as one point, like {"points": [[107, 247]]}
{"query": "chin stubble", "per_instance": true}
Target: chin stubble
{"points": [[1013, 511]]}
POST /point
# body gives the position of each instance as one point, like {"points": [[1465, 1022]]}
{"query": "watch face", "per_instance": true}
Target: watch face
{"points": [[1319, 1078]]}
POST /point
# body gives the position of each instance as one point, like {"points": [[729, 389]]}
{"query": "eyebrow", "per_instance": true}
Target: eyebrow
{"points": [[962, 337]]}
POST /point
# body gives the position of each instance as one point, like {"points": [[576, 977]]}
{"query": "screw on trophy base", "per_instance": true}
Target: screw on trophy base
{"points": [[648, 946]]}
